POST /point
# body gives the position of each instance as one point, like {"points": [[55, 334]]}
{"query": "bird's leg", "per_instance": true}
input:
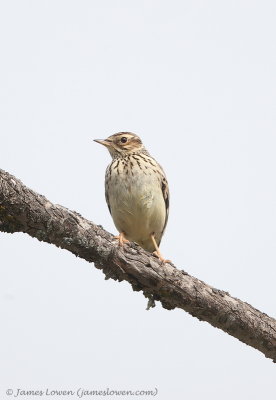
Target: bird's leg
{"points": [[157, 251], [121, 239]]}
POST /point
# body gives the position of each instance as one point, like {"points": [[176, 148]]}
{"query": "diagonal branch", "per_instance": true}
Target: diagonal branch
{"points": [[23, 210]]}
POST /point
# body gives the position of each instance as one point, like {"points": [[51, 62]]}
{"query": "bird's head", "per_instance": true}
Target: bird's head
{"points": [[122, 144]]}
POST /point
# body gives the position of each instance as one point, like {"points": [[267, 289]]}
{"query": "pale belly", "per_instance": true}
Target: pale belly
{"points": [[138, 208]]}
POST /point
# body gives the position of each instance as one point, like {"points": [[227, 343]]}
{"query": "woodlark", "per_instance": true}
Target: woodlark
{"points": [[136, 191]]}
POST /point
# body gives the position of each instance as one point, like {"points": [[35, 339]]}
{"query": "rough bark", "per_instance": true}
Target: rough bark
{"points": [[23, 210]]}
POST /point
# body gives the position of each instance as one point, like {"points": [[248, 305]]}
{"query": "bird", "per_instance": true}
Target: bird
{"points": [[136, 192]]}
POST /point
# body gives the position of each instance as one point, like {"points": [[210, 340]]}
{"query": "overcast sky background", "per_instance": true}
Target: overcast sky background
{"points": [[196, 80]]}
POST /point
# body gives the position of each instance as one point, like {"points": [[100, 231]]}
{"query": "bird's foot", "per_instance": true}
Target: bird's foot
{"points": [[161, 258], [157, 251], [121, 238]]}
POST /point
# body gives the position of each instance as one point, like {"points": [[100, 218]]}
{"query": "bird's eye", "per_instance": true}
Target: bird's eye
{"points": [[123, 139]]}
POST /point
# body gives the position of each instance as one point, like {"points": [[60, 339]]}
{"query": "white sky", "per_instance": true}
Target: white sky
{"points": [[196, 80]]}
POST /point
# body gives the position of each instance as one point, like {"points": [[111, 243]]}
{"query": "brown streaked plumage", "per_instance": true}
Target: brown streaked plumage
{"points": [[136, 191]]}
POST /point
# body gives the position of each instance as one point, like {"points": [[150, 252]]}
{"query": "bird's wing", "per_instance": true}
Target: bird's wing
{"points": [[107, 178], [107, 200], [166, 196]]}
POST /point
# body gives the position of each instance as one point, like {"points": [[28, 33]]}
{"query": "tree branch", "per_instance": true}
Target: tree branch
{"points": [[23, 210]]}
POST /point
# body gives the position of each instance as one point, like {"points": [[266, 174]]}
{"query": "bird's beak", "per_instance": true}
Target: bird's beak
{"points": [[103, 142]]}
